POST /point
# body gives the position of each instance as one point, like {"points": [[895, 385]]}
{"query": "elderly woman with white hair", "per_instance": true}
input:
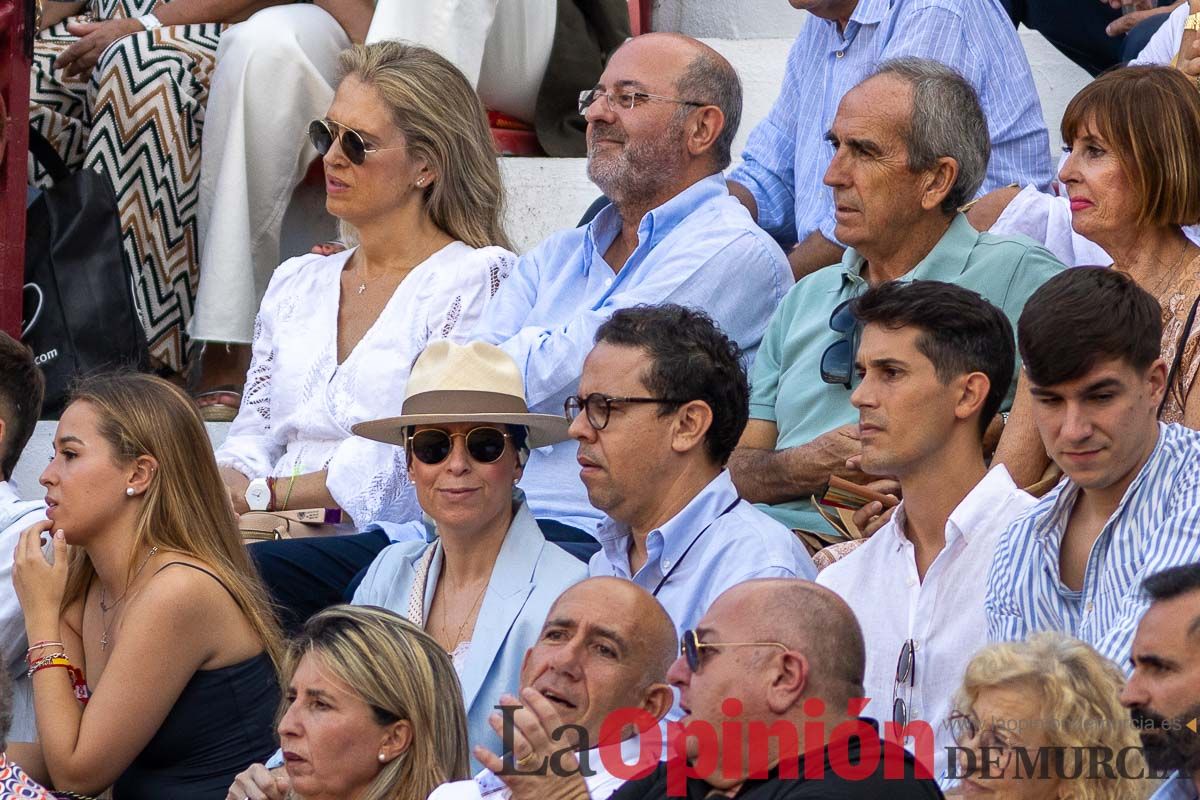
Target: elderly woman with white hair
{"points": [[1051, 700]]}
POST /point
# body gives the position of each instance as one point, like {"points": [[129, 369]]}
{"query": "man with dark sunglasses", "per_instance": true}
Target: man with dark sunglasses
{"points": [[910, 145], [662, 401], [782, 656], [661, 121], [936, 360]]}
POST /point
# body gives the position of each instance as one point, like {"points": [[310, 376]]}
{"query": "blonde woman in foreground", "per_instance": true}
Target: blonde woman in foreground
{"points": [[373, 712]]}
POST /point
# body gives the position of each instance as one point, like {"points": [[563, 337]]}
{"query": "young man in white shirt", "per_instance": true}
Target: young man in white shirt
{"points": [[21, 388], [935, 361]]}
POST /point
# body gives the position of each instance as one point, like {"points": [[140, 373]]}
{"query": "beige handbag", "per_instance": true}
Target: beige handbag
{"points": [[260, 526]]}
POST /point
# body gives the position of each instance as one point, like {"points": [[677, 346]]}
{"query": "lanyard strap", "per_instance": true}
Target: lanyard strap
{"points": [[679, 560]]}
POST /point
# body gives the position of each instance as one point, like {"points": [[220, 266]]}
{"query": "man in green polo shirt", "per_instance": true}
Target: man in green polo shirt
{"points": [[910, 147]]}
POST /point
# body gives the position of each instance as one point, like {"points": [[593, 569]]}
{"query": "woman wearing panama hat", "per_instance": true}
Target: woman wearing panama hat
{"points": [[483, 578]]}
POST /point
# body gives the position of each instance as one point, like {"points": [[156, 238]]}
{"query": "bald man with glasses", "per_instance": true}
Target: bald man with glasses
{"points": [[791, 655]]}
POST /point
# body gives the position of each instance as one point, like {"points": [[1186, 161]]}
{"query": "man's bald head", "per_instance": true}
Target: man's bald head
{"points": [[701, 75], [811, 620], [606, 644]]}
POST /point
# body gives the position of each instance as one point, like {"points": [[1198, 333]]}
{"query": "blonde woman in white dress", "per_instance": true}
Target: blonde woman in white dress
{"points": [[409, 166]]}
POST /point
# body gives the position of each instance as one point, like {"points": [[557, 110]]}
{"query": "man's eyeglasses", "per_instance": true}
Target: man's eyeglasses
{"points": [[627, 100], [322, 132], [837, 362], [690, 647], [906, 681], [599, 406], [485, 445]]}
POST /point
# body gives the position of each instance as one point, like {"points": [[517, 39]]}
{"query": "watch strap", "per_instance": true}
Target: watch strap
{"points": [[149, 21], [1192, 23]]}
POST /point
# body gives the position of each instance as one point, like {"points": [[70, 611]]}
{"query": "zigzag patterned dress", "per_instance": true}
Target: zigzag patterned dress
{"points": [[138, 120]]}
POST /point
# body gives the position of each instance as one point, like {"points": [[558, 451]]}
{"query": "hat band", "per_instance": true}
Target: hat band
{"points": [[455, 401]]}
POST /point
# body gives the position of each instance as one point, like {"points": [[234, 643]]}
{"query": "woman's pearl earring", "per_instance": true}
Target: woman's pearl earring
{"points": [[382, 757], [129, 491], [420, 181]]}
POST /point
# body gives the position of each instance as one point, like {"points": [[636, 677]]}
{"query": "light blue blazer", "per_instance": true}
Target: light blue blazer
{"points": [[529, 575]]}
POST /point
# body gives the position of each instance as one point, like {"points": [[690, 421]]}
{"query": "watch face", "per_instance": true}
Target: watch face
{"points": [[258, 495]]}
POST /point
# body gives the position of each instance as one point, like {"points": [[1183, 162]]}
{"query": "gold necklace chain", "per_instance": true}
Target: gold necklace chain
{"points": [[470, 612], [105, 607]]}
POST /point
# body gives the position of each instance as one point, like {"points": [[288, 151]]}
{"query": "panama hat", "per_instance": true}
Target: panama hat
{"points": [[476, 382]]}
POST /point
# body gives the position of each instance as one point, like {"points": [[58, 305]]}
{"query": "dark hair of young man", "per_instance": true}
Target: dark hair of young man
{"points": [[1085, 315], [690, 359], [22, 386], [960, 332], [1172, 582]]}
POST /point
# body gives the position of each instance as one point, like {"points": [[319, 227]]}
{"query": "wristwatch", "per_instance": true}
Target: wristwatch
{"points": [[149, 22], [258, 494], [1192, 23]]}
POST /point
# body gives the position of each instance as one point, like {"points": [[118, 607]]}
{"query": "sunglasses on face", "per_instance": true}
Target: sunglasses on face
{"points": [[485, 445], [323, 132], [837, 362], [690, 647]]}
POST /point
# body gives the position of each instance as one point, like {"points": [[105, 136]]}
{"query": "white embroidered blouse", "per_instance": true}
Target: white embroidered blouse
{"points": [[298, 403]]}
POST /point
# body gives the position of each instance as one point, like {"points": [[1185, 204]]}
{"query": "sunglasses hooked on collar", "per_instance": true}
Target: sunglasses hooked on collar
{"points": [[323, 132], [485, 444], [837, 362]]}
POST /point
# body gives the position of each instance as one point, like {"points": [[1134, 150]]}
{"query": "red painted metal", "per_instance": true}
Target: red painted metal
{"points": [[16, 55]]}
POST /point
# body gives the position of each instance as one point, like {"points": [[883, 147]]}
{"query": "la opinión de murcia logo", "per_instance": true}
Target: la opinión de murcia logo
{"points": [[721, 748]]}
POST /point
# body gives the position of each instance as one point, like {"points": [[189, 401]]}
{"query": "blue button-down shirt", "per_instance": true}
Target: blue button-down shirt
{"points": [[698, 249], [1156, 526], [786, 155], [715, 542]]}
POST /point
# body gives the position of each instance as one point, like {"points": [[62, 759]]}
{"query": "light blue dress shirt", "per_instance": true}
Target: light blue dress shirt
{"points": [[786, 155], [715, 542], [529, 575], [699, 249], [1177, 787], [1156, 526]]}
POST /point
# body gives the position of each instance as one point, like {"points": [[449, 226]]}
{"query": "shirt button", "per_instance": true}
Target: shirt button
{"points": [[667, 563], [608, 281], [1089, 607], [911, 582], [841, 53]]}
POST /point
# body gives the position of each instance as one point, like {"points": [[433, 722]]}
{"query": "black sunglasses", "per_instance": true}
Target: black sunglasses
{"points": [[432, 446], [906, 681], [322, 132], [837, 362]]}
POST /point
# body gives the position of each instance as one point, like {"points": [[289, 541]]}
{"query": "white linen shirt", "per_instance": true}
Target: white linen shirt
{"points": [[299, 403], [943, 615]]}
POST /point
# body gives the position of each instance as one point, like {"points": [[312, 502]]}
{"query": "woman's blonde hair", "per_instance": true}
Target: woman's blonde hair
{"points": [[1150, 116], [1075, 690], [443, 121], [185, 508], [402, 673]]}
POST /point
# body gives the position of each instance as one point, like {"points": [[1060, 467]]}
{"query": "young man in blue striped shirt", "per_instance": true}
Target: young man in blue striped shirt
{"points": [[1090, 340]]}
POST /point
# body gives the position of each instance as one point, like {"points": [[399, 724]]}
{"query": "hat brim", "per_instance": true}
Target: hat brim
{"points": [[544, 429]]}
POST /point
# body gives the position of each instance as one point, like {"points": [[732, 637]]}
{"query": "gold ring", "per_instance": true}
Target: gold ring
{"points": [[525, 760]]}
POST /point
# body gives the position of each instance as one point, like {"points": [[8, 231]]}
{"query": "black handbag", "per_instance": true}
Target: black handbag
{"points": [[79, 313]]}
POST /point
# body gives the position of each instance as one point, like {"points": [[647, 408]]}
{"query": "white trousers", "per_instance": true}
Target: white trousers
{"points": [[275, 73]]}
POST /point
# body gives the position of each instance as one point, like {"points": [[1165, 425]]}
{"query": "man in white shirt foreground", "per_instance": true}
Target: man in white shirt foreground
{"points": [[21, 388], [936, 360]]}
